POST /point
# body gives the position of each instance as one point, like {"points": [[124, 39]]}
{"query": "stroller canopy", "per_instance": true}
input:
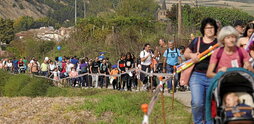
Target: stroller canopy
{"points": [[233, 80]]}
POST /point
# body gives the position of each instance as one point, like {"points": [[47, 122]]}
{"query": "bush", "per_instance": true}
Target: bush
{"points": [[14, 85], [3, 77], [23, 85], [36, 87]]}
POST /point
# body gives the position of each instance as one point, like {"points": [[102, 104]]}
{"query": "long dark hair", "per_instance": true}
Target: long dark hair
{"points": [[249, 26]]}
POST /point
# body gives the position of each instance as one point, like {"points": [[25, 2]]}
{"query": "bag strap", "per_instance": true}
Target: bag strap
{"points": [[240, 55], [198, 45], [218, 57]]}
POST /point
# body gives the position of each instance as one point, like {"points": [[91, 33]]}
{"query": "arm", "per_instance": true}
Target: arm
{"points": [[210, 72], [188, 54], [164, 65], [144, 58], [247, 66], [91, 69], [179, 59]]}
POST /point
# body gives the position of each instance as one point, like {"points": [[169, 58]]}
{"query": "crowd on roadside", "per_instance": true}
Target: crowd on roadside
{"points": [[235, 51]]}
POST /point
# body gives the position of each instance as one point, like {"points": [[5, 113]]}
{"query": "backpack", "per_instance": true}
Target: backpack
{"points": [[84, 70], [174, 52], [219, 54]]}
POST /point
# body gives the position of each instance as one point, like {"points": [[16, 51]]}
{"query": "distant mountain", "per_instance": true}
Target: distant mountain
{"points": [[14, 8], [245, 5]]}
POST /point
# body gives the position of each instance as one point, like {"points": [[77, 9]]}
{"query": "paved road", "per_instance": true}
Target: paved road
{"points": [[183, 97]]}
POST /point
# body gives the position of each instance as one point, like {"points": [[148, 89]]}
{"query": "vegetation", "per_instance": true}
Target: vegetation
{"points": [[30, 47], [6, 30], [108, 105]]}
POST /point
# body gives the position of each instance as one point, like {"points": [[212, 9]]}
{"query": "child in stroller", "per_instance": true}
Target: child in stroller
{"points": [[234, 107]]}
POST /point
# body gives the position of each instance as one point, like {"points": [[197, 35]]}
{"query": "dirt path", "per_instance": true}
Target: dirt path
{"points": [[42, 110]]}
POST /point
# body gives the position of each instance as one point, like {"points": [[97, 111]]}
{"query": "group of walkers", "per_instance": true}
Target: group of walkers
{"points": [[232, 53], [162, 59]]}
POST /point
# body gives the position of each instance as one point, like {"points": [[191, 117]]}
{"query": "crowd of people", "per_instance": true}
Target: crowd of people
{"points": [[162, 59]]}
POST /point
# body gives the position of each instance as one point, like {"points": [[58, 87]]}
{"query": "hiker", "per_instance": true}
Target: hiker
{"points": [[83, 69], [252, 55], [56, 74], [243, 41], [146, 60], [158, 53], [121, 67], [35, 67], [172, 57], [103, 70], [15, 65], [129, 64], [114, 71], [199, 82], [239, 26], [95, 70], [44, 69], [73, 75], [21, 66], [229, 55]]}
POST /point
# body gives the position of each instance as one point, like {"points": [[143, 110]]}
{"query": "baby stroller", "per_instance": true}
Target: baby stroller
{"points": [[235, 80]]}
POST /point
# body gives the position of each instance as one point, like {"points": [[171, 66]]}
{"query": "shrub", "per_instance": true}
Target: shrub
{"points": [[3, 77], [14, 84], [35, 87]]}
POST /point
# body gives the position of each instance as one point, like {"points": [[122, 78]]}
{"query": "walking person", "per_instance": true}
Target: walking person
{"points": [[172, 57], [129, 64], [146, 60], [199, 82], [121, 67], [229, 55]]}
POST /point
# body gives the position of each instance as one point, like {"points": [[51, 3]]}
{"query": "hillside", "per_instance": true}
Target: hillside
{"points": [[245, 5], [15, 8], [64, 9]]}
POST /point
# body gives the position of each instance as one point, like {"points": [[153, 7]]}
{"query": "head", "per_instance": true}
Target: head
{"points": [[192, 37], [249, 30], [239, 26], [209, 27], [73, 69], [171, 44], [228, 36], [96, 59], [20, 60], [128, 55], [123, 56], [219, 25], [147, 47], [231, 100], [182, 49], [252, 50], [104, 61], [161, 42]]}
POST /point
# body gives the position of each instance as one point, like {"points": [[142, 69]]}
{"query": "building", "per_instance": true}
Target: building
{"points": [[162, 12]]}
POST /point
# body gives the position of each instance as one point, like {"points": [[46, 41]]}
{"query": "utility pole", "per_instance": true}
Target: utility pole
{"points": [[75, 12], [84, 9], [179, 21]]}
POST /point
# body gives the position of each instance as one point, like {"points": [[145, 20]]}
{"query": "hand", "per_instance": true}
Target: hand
{"points": [[194, 57], [156, 48], [164, 70], [223, 69]]}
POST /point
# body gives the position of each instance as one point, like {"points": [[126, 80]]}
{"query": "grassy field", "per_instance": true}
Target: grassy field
{"points": [[32, 100]]}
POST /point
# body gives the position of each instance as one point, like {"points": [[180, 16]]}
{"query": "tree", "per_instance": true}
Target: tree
{"points": [[6, 30], [23, 23], [137, 8]]}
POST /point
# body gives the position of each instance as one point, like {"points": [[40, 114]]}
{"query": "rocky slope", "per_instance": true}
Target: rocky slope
{"points": [[13, 9]]}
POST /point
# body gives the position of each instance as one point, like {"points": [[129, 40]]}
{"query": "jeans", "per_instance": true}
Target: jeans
{"points": [[143, 77], [199, 84], [170, 70], [95, 79]]}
